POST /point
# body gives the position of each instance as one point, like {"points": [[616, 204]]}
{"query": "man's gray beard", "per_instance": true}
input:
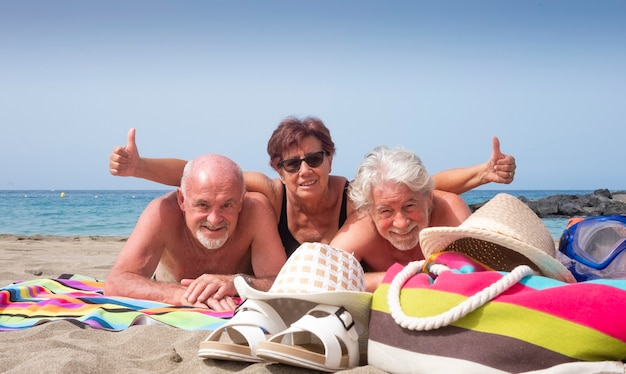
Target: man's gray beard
{"points": [[404, 245], [211, 243]]}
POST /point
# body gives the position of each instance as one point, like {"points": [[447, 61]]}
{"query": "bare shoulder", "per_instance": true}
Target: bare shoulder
{"points": [[338, 180], [255, 200], [161, 217], [256, 206], [271, 188], [446, 197], [167, 203], [159, 225], [338, 185], [449, 209], [358, 235], [259, 182]]}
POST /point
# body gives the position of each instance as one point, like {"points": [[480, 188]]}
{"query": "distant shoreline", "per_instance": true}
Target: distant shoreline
{"points": [[62, 238], [81, 239], [112, 214]]}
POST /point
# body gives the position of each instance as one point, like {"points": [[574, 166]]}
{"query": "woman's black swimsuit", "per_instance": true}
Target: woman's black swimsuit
{"points": [[289, 242]]}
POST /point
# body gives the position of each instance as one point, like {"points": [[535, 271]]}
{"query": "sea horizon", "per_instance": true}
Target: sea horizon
{"points": [[114, 212]]}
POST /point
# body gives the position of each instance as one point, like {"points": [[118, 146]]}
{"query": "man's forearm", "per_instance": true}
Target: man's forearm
{"points": [[460, 180], [259, 283]]}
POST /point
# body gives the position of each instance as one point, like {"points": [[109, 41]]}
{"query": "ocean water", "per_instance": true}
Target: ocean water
{"points": [[73, 213], [115, 212]]}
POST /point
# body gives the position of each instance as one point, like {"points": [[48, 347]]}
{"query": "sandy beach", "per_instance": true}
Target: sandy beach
{"points": [[65, 347]]}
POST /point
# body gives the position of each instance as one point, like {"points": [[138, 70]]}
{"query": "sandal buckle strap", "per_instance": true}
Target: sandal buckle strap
{"points": [[345, 317], [239, 307]]}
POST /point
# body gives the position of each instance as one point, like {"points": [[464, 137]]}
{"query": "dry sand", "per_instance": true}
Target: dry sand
{"points": [[64, 347]]}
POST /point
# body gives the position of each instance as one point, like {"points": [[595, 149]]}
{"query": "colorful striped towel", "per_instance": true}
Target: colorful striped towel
{"points": [[81, 300], [537, 324]]}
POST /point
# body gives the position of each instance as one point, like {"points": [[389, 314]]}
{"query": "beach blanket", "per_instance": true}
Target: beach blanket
{"points": [[81, 300]]}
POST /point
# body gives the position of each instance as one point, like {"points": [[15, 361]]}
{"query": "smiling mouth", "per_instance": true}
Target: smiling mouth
{"points": [[405, 232], [400, 234], [214, 228], [307, 184]]}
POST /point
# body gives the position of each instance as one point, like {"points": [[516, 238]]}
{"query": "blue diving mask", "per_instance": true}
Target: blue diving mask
{"points": [[598, 243]]}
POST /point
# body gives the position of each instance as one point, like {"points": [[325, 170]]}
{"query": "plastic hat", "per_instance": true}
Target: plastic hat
{"points": [[320, 274], [502, 234]]}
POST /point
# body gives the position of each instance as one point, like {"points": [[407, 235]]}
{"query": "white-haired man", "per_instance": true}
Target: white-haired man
{"points": [[394, 200]]}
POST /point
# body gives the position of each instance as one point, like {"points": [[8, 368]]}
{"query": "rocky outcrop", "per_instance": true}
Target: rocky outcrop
{"points": [[600, 202]]}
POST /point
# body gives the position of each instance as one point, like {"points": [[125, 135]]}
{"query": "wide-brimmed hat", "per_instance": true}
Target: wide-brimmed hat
{"points": [[502, 234], [320, 274]]}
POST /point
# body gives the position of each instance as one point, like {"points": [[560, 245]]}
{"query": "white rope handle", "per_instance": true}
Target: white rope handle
{"points": [[471, 304]]}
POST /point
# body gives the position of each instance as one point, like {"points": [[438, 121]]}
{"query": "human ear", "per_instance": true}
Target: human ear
{"points": [[180, 198]]}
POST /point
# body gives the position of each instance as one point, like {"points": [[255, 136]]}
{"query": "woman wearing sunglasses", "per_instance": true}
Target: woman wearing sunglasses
{"points": [[310, 204]]}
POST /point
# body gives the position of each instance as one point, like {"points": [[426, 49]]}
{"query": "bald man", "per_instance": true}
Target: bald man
{"points": [[188, 245]]}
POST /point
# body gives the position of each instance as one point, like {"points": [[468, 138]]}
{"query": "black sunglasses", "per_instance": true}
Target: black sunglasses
{"points": [[292, 165]]}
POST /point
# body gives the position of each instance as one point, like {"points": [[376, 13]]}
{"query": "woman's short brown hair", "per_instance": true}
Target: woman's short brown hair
{"points": [[291, 131]]}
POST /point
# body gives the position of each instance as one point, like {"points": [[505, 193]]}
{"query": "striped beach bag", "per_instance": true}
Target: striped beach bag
{"points": [[495, 322]]}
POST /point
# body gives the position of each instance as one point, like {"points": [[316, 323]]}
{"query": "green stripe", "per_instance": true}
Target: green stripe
{"points": [[539, 328]]}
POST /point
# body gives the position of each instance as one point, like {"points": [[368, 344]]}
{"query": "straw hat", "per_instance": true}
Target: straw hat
{"points": [[502, 234], [320, 274]]}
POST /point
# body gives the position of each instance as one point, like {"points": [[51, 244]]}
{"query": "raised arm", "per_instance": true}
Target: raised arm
{"points": [[125, 161], [500, 168]]}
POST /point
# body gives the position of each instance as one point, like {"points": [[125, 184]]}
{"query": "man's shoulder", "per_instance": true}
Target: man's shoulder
{"points": [[255, 204], [254, 198], [165, 206], [445, 195], [444, 199], [160, 223], [449, 209], [358, 234], [169, 200]]}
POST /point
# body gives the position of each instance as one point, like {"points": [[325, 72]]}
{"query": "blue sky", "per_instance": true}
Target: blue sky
{"points": [[437, 77]]}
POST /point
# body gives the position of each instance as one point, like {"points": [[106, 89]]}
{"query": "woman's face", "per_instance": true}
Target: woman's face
{"points": [[306, 180]]}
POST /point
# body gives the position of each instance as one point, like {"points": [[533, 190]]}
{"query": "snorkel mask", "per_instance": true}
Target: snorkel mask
{"points": [[596, 247]]}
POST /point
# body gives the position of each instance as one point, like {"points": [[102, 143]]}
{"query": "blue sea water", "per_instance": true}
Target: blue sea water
{"points": [[115, 212], [73, 213]]}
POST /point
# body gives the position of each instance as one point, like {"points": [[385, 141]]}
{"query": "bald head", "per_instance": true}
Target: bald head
{"points": [[211, 197], [212, 169]]}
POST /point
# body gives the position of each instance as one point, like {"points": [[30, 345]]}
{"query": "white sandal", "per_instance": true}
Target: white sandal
{"points": [[254, 321], [324, 339]]}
